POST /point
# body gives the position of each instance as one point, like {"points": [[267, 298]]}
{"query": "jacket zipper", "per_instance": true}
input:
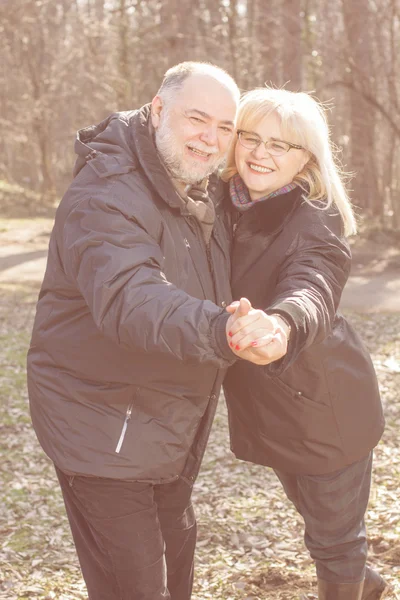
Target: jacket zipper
{"points": [[196, 228], [211, 269], [124, 428]]}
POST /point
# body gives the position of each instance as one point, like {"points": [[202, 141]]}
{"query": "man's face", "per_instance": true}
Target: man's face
{"points": [[194, 129]]}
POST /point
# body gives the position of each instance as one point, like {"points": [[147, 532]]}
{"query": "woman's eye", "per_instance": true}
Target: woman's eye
{"points": [[252, 140], [276, 146]]}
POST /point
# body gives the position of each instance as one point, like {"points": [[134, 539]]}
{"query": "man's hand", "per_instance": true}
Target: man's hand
{"points": [[255, 336]]}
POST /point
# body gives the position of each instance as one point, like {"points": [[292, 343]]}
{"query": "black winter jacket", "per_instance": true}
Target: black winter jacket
{"points": [[128, 348], [318, 408]]}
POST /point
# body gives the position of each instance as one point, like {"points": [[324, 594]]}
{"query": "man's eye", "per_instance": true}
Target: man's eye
{"points": [[196, 120], [226, 129]]}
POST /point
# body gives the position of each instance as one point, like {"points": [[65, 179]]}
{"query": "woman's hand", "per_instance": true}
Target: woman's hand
{"points": [[255, 336]]}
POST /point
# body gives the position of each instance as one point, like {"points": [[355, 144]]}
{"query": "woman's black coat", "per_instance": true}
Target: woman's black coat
{"points": [[318, 408]]}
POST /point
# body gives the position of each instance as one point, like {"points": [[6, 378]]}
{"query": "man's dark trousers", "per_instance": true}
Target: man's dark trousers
{"points": [[135, 541]]}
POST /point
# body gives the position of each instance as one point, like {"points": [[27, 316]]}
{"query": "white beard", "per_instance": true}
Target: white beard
{"points": [[173, 157]]}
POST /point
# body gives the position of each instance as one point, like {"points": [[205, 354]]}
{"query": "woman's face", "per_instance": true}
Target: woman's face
{"points": [[261, 172]]}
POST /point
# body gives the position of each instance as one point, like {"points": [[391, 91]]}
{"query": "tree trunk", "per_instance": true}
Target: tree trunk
{"points": [[359, 68], [292, 51]]}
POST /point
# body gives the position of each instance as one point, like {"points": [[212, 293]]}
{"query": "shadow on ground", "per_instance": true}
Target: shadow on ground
{"points": [[13, 260]]}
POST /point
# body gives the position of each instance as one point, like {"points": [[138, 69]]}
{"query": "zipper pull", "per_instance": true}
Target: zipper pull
{"points": [[124, 427]]}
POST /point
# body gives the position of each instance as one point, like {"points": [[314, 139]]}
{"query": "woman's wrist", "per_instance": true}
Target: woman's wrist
{"points": [[283, 324]]}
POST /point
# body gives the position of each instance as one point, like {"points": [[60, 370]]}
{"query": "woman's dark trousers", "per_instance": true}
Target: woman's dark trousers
{"points": [[333, 508], [135, 541]]}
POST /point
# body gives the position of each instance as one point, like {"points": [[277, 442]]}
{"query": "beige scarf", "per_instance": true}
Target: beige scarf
{"points": [[200, 206]]}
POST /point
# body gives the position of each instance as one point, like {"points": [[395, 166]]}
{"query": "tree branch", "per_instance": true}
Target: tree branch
{"points": [[371, 100]]}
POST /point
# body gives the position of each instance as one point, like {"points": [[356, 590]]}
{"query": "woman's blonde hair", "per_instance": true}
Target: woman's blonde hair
{"points": [[303, 121]]}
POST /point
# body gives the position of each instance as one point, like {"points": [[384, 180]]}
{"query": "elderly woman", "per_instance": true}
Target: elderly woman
{"points": [[309, 407]]}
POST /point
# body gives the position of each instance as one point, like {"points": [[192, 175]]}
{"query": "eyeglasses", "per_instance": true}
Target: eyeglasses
{"points": [[251, 141]]}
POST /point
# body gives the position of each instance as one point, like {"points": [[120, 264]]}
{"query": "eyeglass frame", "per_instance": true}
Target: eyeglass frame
{"points": [[295, 146]]}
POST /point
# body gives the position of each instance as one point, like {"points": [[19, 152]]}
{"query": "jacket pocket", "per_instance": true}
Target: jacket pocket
{"points": [[296, 394], [284, 413], [128, 416]]}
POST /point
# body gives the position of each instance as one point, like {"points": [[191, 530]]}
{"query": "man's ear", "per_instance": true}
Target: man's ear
{"points": [[156, 108]]}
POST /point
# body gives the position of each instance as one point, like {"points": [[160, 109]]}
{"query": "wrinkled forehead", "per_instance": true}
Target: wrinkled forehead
{"points": [[207, 95]]}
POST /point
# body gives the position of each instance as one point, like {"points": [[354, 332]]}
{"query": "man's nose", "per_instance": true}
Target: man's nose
{"points": [[210, 135]]}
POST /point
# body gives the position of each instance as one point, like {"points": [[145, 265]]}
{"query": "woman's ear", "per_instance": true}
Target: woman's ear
{"points": [[306, 159]]}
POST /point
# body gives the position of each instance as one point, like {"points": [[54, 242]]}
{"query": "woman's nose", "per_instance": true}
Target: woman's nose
{"points": [[261, 151]]}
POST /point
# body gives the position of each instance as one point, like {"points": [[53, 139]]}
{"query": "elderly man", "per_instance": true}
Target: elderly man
{"points": [[129, 345]]}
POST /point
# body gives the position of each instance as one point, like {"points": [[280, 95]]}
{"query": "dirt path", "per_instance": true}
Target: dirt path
{"points": [[374, 284], [23, 250]]}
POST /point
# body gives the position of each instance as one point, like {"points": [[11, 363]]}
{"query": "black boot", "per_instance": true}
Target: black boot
{"points": [[339, 591], [374, 585], [372, 588]]}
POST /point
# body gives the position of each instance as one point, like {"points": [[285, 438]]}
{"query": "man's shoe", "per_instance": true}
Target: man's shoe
{"points": [[374, 585]]}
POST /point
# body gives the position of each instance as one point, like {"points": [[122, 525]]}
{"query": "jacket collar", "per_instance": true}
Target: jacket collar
{"points": [[271, 215], [104, 147], [122, 143], [143, 145]]}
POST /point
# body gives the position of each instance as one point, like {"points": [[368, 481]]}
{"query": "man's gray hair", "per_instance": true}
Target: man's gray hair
{"points": [[175, 77]]}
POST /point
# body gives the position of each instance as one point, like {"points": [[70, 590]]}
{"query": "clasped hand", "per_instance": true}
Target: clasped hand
{"points": [[253, 335]]}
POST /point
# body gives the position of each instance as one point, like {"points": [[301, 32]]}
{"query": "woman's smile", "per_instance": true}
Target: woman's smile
{"points": [[259, 168]]}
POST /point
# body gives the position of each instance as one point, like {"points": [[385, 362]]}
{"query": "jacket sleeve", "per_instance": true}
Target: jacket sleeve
{"points": [[310, 286], [117, 267]]}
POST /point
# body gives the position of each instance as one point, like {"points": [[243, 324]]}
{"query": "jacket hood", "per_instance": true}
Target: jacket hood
{"points": [[121, 143], [106, 146]]}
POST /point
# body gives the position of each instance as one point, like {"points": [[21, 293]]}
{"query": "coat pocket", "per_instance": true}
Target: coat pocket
{"points": [[284, 413], [296, 394]]}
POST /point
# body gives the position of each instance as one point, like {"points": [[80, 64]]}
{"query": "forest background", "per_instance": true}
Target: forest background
{"points": [[67, 64]]}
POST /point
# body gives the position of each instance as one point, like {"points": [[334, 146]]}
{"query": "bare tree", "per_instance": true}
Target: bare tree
{"points": [[74, 62], [359, 77], [292, 47]]}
